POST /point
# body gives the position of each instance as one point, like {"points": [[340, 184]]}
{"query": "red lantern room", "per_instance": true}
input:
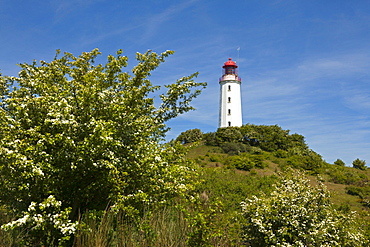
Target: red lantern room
{"points": [[230, 68]]}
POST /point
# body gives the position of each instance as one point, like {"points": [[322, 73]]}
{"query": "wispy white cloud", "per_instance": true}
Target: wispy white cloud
{"points": [[357, 99], [154, 22], [335, 66], [64, 8]]}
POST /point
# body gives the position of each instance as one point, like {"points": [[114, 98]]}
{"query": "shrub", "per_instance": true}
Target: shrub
{"points": [[215, 158], [298, 214], [228, 134], [359, 164], [362, 192], [89, 135], [258, 161], [280, 153], [190, 136], [210, 139], [344, 175], [240, 162], [355, 191], [245, 162], [234, 148], [339, 162]]}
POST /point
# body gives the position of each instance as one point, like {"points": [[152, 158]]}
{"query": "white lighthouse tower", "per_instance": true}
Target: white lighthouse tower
{"points": [[230, 98]]}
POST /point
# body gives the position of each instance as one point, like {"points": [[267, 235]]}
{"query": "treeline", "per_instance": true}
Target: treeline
{"points": [[255, 139]]}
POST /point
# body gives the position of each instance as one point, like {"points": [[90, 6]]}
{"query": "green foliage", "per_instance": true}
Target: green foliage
{"points": [[306, 160], [355, 190], [231, 187], [271, 138], [255, 150], [311, 160], [339, 162], [240, 162], [234, 147], [345, 175], [359, 164], [217, 217], [245, 162], [363, 192], [44, 224], [280, 153], [258, 138], [210, 139], [215, 158], [165, 226], [229, 134], [190, 136], [203, 217], [298, 214], [89, 134]]}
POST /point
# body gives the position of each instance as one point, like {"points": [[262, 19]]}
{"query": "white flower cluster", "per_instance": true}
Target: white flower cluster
{"points": [[45, 215]]}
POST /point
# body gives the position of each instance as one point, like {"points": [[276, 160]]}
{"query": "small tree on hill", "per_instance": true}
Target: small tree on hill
{"points": [[190, 136], [233, 148], [359, 164], [339, 162], [228, 134], [298, 214]]}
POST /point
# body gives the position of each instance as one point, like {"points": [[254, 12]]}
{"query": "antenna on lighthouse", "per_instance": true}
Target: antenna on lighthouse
{"points": [[237, 61]]}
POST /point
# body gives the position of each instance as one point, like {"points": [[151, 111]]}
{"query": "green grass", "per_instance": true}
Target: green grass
{"points": [[165, 227]]}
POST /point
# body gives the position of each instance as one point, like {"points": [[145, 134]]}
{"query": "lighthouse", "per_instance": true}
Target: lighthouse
{"points": [[230, 97]]}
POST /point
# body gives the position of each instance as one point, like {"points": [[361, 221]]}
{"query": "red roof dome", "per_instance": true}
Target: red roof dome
{"points": [[230, 63]]}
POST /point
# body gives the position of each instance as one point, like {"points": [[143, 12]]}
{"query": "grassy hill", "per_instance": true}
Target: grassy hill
{"points": [[337, 179], [238, 163]]}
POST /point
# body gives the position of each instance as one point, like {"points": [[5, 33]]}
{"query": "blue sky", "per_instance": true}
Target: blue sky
{"points": [[305, 64]]}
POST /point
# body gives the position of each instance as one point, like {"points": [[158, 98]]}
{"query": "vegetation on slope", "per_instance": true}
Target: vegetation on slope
{"points": [[255, 159]]}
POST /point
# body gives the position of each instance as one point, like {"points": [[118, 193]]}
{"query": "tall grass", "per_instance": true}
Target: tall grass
{"points": [[165, 227], [8, 238]]}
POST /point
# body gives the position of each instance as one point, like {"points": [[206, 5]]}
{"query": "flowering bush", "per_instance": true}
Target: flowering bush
{"points": [[44, 223], [90, 135], [298, 214]]}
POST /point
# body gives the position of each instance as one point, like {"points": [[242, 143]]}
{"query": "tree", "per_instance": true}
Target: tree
{"points": [[272, 138], [310, 160], [228, 134], [190, 136], [298, 214], [245, 161], [233, 148], [83, 135], [359, 164], [339, 162]]}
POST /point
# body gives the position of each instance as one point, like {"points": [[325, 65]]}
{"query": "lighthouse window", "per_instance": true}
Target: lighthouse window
{"points": [[230, 71], [229, 111], [229, 100], [229, 123], [229, 88]]}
